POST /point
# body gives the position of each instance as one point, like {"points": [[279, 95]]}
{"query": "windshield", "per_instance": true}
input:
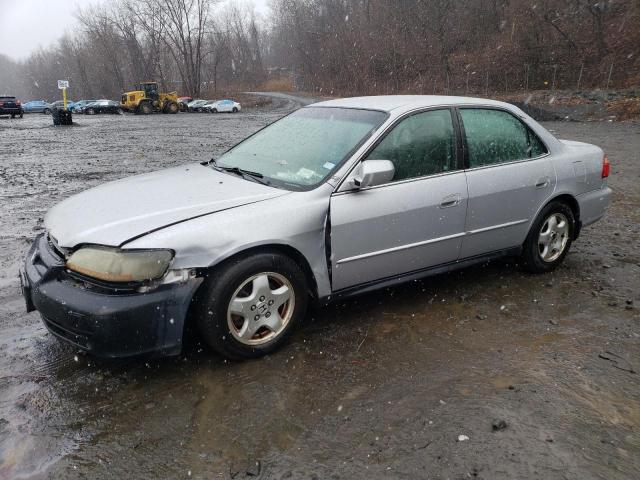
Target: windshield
{"points": [[303, 148]]}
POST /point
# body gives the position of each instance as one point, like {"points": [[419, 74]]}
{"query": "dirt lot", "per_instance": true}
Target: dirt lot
{"points": [[541, 373]]}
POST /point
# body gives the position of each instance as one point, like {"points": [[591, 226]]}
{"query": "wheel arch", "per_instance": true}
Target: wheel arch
{"points": [[284, 249], [571, 202]]}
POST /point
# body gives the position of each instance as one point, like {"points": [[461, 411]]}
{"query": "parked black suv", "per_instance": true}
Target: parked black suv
{"points": [[10, 106]]}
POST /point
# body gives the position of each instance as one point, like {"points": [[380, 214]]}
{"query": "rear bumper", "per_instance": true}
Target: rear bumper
{"points": [[593, 205], [10, 110], [104, 323]]}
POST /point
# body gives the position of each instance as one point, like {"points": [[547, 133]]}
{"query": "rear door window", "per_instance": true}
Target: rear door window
{"points": [[496, 136]]}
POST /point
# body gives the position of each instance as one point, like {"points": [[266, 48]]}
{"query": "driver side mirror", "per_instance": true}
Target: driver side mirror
{"points": [[373, 172]]}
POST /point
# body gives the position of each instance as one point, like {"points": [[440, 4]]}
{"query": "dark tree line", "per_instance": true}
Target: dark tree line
{"points": [[201, 47], [195, 47], [453, 46]]}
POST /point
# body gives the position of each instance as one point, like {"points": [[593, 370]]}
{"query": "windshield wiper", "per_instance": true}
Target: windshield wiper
{"points": [[255, 176]]}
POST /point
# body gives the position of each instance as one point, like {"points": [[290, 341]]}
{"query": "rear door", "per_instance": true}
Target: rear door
{"points": [[509, 176], [413, 222]]}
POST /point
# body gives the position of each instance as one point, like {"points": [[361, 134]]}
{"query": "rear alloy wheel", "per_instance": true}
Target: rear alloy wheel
{"points": [[235, 110], [47, 111], [249, 307], [550, 237]]}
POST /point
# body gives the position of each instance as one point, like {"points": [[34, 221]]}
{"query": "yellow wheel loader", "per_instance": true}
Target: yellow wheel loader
{"points": [[147, 99]]}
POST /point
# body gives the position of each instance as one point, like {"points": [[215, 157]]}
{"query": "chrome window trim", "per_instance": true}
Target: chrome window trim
{"points": [[400, 182], [493, 165]]}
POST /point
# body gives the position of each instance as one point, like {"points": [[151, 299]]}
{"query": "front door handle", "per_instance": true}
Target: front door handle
{"points": [[542, 182], [450, 200]]}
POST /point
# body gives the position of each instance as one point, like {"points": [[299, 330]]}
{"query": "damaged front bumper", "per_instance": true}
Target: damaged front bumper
{"points": [[105, 322]]}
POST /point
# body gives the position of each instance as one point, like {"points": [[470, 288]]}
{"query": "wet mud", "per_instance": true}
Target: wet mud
{"points": [[484, 373]]}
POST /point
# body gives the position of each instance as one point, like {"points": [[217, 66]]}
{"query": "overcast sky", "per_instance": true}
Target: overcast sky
{"points": [[28, 24]]}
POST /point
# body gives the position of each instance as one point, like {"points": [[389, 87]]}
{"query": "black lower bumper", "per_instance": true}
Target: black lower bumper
{"points": [[104, 323], [10, 110]]}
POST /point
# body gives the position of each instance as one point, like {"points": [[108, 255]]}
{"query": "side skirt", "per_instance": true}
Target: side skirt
{"points": [[417, 274]]}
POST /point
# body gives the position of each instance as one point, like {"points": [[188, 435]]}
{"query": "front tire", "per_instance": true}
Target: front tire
{"points": [[144, 108], [250, 306], [549, 239], [171, 107]]}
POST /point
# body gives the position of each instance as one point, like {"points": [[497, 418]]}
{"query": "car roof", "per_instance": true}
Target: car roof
{"points": [[389, 103]]}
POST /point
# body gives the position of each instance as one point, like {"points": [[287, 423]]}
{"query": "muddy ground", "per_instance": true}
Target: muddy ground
{"points": [[376, 387]]}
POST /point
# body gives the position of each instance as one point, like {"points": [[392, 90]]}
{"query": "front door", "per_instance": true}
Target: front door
{"points": [[415, 221]]}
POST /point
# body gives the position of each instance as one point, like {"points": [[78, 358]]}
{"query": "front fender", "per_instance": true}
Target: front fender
{"points": [[297, 221]]}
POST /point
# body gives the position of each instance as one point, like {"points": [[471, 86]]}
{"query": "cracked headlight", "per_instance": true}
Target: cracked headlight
{"points": [[114, 265]]}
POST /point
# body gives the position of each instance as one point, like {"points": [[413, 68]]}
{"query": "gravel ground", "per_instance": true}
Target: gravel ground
{"points": [[541, 373]]}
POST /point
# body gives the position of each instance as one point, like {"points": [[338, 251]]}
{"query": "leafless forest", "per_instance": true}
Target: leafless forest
{"points": [[200, 47]]}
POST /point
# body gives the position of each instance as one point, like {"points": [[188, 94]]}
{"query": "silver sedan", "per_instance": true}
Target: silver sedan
{"points": [[335, 199]]}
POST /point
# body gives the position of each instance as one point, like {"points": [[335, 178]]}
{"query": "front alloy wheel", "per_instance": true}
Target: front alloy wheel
{"points": [[260, 308], [248, 306]]}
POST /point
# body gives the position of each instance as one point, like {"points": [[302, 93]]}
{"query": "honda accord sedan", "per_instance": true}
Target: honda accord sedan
{"points": [[335, 199]]}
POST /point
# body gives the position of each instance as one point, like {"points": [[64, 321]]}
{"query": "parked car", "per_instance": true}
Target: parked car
{"points": [[102, 106], [37, 106], [78, 106], [196, 105], [183, 103], [222, 106], [59, 104], [9, 105], [337, 198]]}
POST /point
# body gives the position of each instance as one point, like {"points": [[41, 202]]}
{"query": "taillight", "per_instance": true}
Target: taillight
{"points": [[18, 102], [605, 167], [1, 104]]}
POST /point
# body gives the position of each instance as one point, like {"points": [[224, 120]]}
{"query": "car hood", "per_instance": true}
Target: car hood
{"points": [[116, 212]]}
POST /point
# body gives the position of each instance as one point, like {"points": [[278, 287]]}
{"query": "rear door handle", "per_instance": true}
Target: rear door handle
{"points": [[542, 182], [450, 200]]}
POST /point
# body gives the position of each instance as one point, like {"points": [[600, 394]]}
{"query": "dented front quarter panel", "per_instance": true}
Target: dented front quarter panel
{"points": [[297, 220]]}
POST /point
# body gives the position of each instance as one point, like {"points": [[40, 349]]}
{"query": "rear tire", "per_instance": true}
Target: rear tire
{"points": [[47, 111], [250, 306], [235, 110], [549, 239]]}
